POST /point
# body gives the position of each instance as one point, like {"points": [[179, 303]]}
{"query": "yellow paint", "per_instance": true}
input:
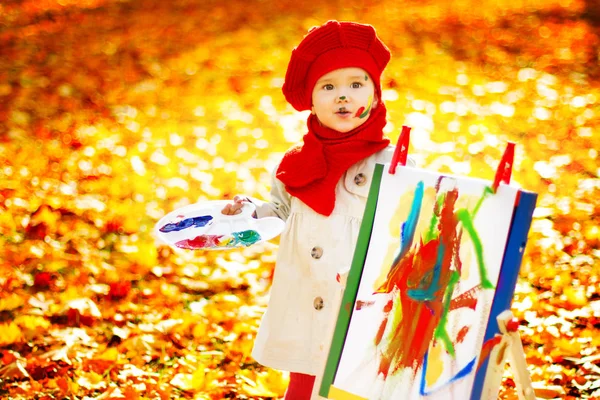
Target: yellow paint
{"points": [[339, 394], [435, 365], [400, 215], [370, 102]]}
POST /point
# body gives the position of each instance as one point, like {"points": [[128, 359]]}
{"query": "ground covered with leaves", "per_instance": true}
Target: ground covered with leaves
{"points": [[115, 112]]}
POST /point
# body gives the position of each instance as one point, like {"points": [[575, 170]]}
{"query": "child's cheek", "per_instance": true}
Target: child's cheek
{"points": [[363, 112]]}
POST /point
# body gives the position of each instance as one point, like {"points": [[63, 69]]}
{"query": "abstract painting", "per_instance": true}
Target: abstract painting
{"points": [[425, 289]]}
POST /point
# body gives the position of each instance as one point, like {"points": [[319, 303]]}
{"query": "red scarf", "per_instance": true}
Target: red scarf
{"points": [[312, 171]]}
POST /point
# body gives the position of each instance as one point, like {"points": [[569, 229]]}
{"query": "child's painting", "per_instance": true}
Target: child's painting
{"points": [[425, 289]]}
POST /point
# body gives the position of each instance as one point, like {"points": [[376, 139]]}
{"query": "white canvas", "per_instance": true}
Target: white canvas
{"points": [[361, 359]]}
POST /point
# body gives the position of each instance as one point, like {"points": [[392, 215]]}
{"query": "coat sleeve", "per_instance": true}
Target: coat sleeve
{"points": [[280, 203]]}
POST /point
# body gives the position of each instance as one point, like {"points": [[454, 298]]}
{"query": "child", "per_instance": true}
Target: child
{"points": [[320, 189]]}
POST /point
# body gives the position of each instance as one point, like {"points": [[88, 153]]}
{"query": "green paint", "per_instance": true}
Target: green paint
{"points": [[365, 113], [432, 232], [342, 97], [366, 78], [441, 331], [486, 192], [467, 222], [246, 238]]}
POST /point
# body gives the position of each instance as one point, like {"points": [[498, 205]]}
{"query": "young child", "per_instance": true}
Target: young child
{"points": [[320, 189]]}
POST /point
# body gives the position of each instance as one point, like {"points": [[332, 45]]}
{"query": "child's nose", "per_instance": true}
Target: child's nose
{"points": [[342, 98]]}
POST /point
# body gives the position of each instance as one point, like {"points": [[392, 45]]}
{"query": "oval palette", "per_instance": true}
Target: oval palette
{"points": [[202, 226]]}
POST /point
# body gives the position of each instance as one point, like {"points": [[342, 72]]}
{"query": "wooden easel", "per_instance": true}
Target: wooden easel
{"points": [[507, 345]]}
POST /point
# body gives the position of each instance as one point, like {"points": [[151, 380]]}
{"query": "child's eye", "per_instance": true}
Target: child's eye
{"points": [[328, 86], [356, 85]]}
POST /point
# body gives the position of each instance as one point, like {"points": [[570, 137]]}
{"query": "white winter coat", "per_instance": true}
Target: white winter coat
{"points": [[296, 330]]}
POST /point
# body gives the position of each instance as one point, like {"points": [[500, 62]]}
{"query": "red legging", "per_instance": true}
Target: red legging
{"points": [[300, 387]]}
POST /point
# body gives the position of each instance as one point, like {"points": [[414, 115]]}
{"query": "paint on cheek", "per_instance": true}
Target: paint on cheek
{"points": [[363, 112], [198, 222]]}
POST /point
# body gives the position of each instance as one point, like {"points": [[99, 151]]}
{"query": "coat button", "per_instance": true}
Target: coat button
{"points": [[316, 253], [318, 303], [360, 179]]}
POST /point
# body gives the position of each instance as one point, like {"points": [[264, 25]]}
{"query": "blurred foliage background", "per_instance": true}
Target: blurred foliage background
{"points": [[115, 112]]}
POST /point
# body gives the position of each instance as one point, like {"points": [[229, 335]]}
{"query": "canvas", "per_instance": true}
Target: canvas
{"points": [[425, 288]]}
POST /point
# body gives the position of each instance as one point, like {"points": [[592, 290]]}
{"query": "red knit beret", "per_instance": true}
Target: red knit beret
{"points": [[329, 47]]}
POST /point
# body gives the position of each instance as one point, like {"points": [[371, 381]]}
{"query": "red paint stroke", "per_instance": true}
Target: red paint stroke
{"points": [[418, 270], [466, 300], [360, 304], [199, 242], [388, 307], [358, 112], [462, 334], [487, 349]]}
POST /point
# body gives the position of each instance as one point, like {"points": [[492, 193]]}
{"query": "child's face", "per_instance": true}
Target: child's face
{"points": [[343, 98]]}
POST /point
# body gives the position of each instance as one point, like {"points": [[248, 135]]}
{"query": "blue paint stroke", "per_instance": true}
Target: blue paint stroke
{"points": [[198, 222], [429, 293], [459, 375], [410, 225]]}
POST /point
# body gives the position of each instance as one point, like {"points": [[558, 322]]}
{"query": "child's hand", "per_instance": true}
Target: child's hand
{"points": [[235, 207]]}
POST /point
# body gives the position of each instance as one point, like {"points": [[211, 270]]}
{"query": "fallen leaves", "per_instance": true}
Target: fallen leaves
{"points": [[114, 113]]}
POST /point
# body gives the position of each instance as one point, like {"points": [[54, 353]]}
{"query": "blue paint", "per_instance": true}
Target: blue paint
{"points": [[428, 294], [198, 222], [465, 371], [409, 227]]}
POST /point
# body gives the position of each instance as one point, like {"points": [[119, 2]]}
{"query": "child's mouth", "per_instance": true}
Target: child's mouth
{"points": [[343, 111]]}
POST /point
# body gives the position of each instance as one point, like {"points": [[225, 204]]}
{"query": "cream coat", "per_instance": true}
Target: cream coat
{"points": [[296, 330]]}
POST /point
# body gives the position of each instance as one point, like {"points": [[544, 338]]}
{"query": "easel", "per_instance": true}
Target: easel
{"points": [[507, 343], [501, 341]]}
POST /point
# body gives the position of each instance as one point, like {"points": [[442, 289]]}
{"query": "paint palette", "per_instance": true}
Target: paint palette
{"points": [[202, 226]]}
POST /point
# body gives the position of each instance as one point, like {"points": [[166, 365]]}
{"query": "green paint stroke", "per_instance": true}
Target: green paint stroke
{"points": [[432, 232], [441, 331], [486, 192], [467, 223], [246, 238], [366, 78], [365, 113]]}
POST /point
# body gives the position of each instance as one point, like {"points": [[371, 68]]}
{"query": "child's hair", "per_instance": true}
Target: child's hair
{"points": [[329, 47]]}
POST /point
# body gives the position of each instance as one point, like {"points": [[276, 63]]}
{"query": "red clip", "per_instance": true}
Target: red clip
{"points": [[401, 152], [512, 325], [505, 168]]}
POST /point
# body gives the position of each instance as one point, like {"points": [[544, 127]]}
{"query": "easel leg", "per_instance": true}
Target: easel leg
{"points": [[510, 346]]}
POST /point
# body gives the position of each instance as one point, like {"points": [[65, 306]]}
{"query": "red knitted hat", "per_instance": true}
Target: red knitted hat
{"points": [[329, 47]]}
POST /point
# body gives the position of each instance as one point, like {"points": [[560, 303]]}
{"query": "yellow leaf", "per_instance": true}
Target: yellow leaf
{"points": [[200, 331], [32, 322], [266, 384], [11, 302], [111, 354], [91, 380], [190, 382], [576, 296], [10, 334]]}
